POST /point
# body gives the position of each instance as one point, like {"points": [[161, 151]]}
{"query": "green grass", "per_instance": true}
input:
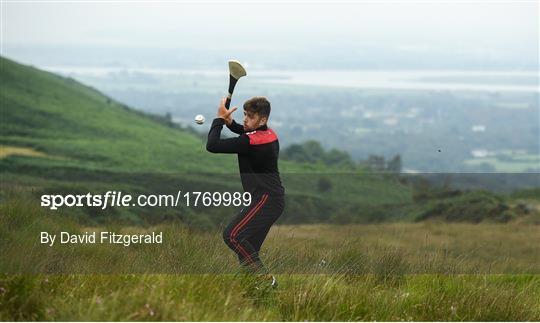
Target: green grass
{"points": [[424, 272], [299, 298], [392, 249]]}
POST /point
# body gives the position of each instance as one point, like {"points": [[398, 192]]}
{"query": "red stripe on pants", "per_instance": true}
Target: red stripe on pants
{"points": [[242, 223]]}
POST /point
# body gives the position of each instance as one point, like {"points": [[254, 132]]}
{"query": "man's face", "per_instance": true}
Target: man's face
{"points": [[253, 121]]}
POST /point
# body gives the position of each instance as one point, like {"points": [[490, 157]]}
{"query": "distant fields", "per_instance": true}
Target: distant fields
{"points": [[362, 114], [514, 164]]}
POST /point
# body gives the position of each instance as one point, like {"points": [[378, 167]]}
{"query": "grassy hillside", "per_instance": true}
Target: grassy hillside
{"points": [[76, 124], [389, 272]]}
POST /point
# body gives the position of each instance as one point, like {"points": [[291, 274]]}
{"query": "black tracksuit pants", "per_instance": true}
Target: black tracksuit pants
{"points": [[247, 231]]}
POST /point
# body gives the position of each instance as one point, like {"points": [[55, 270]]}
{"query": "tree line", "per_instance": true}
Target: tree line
{"points": [[312, 151]]}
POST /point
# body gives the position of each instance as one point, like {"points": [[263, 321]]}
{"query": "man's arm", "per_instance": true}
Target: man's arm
{"points": [[236, 128], [215, 144]]}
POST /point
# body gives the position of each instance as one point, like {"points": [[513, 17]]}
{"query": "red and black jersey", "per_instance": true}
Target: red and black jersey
{"points": [[258, 153]]}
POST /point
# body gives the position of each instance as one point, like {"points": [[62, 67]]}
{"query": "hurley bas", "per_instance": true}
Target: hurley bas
{"points": [[101, 237]]}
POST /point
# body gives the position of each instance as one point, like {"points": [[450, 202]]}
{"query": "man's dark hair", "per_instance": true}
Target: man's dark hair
{"points": [[259, 105]]}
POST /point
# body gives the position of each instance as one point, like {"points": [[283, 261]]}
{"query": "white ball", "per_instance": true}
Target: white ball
{"points": [[199, 119]]}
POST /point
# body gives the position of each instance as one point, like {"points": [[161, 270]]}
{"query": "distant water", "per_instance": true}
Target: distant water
{"points": [[520, 81]]}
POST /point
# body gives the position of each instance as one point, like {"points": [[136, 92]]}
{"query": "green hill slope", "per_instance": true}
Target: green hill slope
{"points": [[67, 120]]}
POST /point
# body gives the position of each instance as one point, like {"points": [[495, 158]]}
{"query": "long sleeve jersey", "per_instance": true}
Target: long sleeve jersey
{"points": [[258, 153]]}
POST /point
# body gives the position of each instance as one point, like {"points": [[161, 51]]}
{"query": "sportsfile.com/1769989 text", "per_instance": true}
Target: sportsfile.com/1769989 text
{"points": [[119, 199]]}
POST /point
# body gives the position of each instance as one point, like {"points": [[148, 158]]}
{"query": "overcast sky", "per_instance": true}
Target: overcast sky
{"points": [[416, 24]]}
